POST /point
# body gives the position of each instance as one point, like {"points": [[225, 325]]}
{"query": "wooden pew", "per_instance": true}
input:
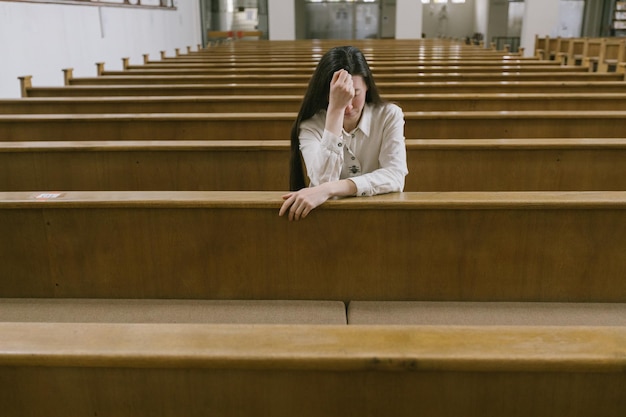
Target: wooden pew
{"points": [[592, 51], [314, 55], [378, 71], [292, 102], [264, 126], [541, 47], [470, 246], [256, 50], [378, 65], [67, 369], [434, 165], [269, 89], [439, 77], [612, 56], [306, 48]]}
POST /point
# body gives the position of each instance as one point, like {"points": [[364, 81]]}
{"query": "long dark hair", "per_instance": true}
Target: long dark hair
{"points": [[352, 60]]}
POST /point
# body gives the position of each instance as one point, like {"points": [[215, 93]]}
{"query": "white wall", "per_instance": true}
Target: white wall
{"points": [[282, 19], [481, 17], [408, 19], [541, 17], [41, 39]]}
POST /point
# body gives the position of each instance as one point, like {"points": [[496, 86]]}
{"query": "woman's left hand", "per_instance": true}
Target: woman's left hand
{"points": [[300, 203]]}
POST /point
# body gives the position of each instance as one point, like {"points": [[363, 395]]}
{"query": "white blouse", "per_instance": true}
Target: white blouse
{"points": [[373, 155]]}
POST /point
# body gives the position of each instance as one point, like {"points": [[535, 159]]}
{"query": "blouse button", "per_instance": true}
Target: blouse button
{"points": [[363, 193], [352, 136], [339, 144]]}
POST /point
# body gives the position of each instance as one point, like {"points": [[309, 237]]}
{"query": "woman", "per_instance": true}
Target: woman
{"points": [[350, 140]]}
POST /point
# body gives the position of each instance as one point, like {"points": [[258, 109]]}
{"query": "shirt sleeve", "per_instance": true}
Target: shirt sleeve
{"points": [[389, 177], [322, 152]]}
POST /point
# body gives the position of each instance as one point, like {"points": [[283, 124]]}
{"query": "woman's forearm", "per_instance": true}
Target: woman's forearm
{"points": [[340, 188]]}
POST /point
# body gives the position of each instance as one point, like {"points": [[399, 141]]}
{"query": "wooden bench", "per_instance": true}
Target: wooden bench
{"points": [[292, 102], [547, 48], [434, 165], [271, 126], [612, 56], [235, 52], [469, 246], [66, 369], [270, 89], [440, 77], [568, 51], [378, 71], [591, 52], [375, 65]]}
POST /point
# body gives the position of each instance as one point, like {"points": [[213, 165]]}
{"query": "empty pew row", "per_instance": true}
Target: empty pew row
{"points": [[287, 59], [377, 66], [143, 369], [311, 61], [494, 77], [378, 71], [264, 126], [306, 49], [292, 102], [312, 56], [598, 54], [310, 52], [270, 89], [434, 165], [437, 246]]}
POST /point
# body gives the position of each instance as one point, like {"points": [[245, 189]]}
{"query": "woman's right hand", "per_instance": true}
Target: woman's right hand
{"points": [[341, 91]]}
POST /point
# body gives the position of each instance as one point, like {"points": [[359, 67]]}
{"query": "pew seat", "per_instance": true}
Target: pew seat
{"points": [[96, 310], [124, 369], [425, 313]]}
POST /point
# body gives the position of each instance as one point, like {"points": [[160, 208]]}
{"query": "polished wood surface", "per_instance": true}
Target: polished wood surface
{"points": [[143, 370], [264, 126], [320, 347], [434, 165], [292, 102], [278, 78], [300, 88], [541, 246], [295, 67]]}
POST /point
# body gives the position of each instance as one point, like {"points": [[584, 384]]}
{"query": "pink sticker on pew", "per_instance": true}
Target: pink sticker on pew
{"points": [[48, 196]]}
